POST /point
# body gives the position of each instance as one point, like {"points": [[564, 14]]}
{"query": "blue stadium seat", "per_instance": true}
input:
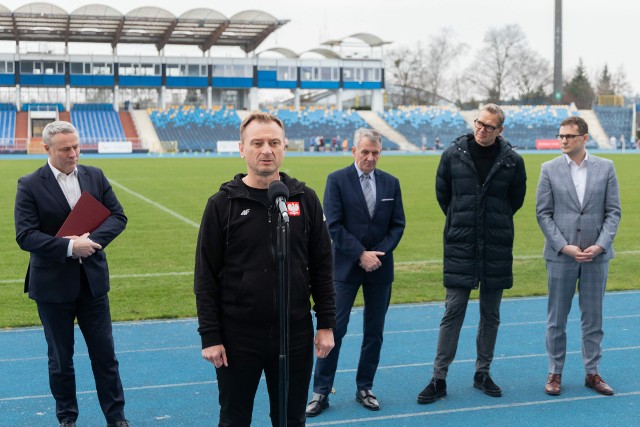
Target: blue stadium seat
{"points": [[196, 128], [524, 124], [96, 123], [419, 122], [7, 124], [309, 123], [617, 121]]}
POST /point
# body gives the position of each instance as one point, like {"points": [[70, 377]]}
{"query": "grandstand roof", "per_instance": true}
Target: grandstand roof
{"points": [[370, 39], [100, 23]]}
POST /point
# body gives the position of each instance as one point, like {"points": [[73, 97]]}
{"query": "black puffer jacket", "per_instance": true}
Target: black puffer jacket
{"points": [[236, 279], [478, 231]]}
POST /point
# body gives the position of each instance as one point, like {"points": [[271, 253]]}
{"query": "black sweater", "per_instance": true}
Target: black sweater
{"points": [[236, 276]]}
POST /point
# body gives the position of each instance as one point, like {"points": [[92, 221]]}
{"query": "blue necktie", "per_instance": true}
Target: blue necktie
{"points": [[368, 192]]}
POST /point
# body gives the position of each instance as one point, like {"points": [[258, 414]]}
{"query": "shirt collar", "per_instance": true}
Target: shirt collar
{"points": [[57, 173], [360, 171], [569, 161]]}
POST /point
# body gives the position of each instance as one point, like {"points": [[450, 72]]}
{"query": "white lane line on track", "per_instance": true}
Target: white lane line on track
{"points": [[156, 204], [473, 409]]}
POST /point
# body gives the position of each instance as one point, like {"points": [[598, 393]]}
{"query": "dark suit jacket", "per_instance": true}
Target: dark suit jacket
{"points": [[353, 230], [40, 210]]}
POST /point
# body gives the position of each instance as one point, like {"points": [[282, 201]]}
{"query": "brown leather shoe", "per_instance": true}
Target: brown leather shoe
{"points": [[553, 384], [596, 382]]}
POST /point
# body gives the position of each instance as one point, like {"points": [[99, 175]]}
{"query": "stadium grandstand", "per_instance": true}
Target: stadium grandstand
{"points": [[138, 103]]}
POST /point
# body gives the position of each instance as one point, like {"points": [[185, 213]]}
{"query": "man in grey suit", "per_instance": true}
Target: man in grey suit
{"points": [[578, 210]]}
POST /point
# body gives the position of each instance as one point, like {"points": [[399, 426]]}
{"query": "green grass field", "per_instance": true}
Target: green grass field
{"points": [[151, 263]]}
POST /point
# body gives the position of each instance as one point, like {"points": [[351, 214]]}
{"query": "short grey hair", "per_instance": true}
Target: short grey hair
{"points": [[54, 128], [494, 109], [371, 134]]}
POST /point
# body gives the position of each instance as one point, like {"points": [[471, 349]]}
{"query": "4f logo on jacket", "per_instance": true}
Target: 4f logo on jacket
{"points": [[293, 208], [245, 212]]}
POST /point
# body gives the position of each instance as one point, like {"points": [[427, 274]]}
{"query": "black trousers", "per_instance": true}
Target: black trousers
{"points": [[248, 357], [94, 320]]}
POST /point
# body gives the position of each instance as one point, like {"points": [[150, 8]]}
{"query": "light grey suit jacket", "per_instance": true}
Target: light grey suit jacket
{"points": [[563, 221]]}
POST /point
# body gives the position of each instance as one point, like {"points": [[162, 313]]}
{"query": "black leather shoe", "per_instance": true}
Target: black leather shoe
{"points": [[68, 424], [318, 403], [368, 400], [121, 423], [436, 389], [483, 381]]}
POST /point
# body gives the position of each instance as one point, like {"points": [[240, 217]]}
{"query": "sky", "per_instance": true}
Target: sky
{"points": [[599, 32]]}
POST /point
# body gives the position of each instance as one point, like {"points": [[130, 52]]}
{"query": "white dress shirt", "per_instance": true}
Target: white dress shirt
{"points": [[579, 175], [70, 186]]}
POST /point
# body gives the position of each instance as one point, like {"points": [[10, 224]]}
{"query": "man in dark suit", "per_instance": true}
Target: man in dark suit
{"points": [[68, 276], [363, 206], [578, 210]]}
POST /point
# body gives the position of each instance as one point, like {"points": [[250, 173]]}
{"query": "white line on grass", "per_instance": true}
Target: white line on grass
{"points": [[473, 409], [187, 273], [156, 204]]}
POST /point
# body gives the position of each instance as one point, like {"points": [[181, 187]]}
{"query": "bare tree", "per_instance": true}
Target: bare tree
{"points": [[619, 82], [532, 77], [495, 67], [421, 75], [404, 66], [442, 52]]}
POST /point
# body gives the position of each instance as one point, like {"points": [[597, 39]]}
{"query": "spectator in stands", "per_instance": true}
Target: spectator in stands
{"points": [[334, 143], [363, 206], [578, 210], [345, 144], [236, 281], [68, 276], [480, 185], [623, 141], [312, 145], [613, 142], [438, 144]]}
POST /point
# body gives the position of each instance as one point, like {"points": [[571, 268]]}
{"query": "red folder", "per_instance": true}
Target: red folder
{"points": [[86, 216]]}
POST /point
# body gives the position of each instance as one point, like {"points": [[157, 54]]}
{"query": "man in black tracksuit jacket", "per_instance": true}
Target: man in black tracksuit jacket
{"points": [[236, 281]]}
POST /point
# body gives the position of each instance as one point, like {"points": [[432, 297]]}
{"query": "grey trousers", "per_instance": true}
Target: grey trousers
{"points": [[591, 280], [455, 310]]}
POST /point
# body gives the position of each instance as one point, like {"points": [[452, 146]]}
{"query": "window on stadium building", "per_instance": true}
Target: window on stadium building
{"points": [[134, 69], [6, 67], [287, 73], [42, 67], [231, 70], [98, 68], [319, 73], [181, 70]]}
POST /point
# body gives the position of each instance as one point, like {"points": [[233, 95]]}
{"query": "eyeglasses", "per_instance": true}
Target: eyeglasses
{"points": [[479, 125], [569, 137]]}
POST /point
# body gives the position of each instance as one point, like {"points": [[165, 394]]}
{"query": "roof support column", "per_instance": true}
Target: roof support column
{"points": [[339, 94], [209, 97], [116, 98], [67, 97], [377, 100], [162, 92], [254, 103], [296, 99]]}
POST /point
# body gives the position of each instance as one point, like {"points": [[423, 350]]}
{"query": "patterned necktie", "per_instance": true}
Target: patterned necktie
{"points": [[368, 192]]}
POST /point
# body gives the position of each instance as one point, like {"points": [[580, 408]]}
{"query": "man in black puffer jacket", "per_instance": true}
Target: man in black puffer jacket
{"points": [[480, 184]]}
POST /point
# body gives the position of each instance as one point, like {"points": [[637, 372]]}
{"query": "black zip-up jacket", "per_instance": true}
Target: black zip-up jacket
{"points": [[479, 232], [236, 269]]}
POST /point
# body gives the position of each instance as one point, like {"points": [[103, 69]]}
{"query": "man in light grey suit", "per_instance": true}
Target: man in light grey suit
{"points": [[578, 210]]}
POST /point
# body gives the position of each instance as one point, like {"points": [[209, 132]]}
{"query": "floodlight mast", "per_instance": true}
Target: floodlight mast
{"points": [[557, 59]]}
